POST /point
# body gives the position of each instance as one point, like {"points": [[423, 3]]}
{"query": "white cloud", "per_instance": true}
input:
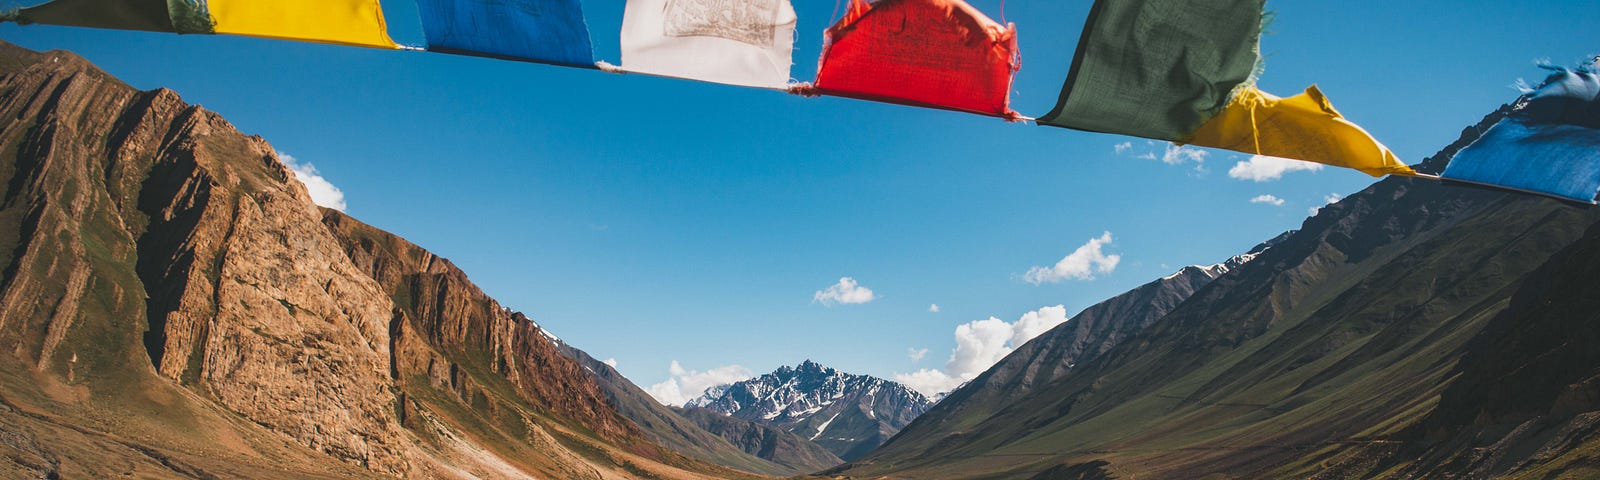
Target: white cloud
{"points": [[1171, 154], [934, 308], [322, 191], [1081, 264], [686, 385], [610, 361], [1268, 199], [981, 344], [928, 381], [846, 292], [1035, 323], [1262, 168], [1331, 199], [916, 354], [1178, 155]]}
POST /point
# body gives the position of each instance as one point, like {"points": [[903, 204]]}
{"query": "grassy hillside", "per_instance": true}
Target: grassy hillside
{"points": [[1317, 359]]}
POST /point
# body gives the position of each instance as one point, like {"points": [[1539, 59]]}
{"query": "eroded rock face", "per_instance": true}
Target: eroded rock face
{"points": [[300, 339], [250, 301], [458, 328]]}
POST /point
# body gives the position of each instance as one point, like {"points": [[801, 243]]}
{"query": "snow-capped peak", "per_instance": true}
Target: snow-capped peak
{"points": [[842, 412]]}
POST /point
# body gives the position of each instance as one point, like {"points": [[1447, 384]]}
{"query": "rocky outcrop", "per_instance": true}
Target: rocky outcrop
{"points": [[456, 327], [249, 304]]}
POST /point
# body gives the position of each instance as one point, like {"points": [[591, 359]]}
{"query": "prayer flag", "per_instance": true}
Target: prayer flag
{"points": [[341, 22], [1303, 127], [736, 42], [933, 53], [544, 31], [1158, 68], [1550, 144], [174, 16]]}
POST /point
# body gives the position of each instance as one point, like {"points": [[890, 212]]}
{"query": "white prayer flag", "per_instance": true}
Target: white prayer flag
{"points": [[736, 42]]}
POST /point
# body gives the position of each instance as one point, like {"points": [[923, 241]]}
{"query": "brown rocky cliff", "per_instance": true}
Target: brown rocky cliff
{"points": [[462, 327], [250, 302]]}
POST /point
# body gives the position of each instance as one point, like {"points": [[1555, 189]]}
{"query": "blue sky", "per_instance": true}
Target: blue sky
{"points": [[653, 220]]}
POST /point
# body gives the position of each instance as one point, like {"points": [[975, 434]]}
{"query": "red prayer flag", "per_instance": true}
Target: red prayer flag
{"points": [[929, 53]]}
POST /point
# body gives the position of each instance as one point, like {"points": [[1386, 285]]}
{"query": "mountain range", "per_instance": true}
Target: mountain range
{"points": [[743, 444], [849, 415]]}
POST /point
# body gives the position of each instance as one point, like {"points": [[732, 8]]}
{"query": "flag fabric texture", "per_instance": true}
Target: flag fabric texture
{"points": [[341, 22], [174, 16], [543, 31], [1303, 127], [1550, 144], [1184, 71], [1158, 68], [736, 42], [932, 53]]}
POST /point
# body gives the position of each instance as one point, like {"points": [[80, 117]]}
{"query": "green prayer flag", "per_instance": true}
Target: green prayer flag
{"points": [[168, 16], [1158, 68], [147, 15]]}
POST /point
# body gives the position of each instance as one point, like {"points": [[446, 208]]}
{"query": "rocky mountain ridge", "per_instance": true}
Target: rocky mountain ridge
{"points": [[1411, 330], [847, 414], [733, 442], [1082, 338]]}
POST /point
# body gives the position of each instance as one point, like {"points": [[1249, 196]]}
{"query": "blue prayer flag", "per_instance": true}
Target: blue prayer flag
{"points": [[1559, 160], [543, 31], [1549, 145]]}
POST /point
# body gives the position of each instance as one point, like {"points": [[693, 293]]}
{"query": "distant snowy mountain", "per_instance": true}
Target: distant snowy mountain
{"points": [[847, 414]]}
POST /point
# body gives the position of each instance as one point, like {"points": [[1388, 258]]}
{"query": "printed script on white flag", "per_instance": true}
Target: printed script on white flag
{"points": [[736, 42]]}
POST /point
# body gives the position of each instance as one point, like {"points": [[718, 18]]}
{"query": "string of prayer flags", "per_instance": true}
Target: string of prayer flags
{"points": [[542, 31], [1176, 70], [1549, 145], [930, 53], [735, 42]]}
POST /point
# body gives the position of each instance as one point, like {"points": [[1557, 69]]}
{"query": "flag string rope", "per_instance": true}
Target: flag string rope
{"points": [[1497, 187]]}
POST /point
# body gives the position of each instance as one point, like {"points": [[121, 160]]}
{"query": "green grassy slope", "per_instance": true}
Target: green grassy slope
{"points": [[1314, 359]]}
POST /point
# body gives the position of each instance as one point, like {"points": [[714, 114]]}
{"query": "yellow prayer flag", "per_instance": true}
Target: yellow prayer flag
{"points": [[341, 22], [1302, 127]]}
